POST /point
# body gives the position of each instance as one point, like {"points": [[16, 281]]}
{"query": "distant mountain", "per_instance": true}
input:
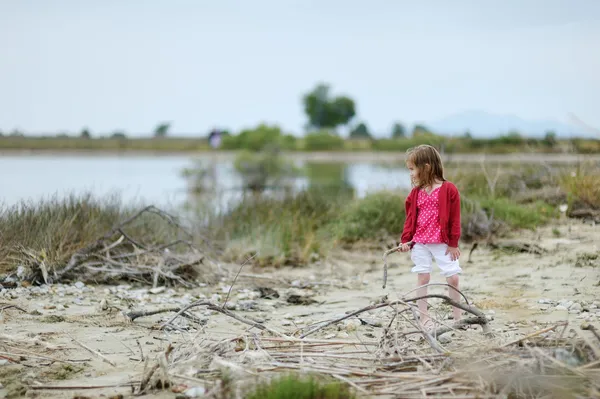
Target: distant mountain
{"points": [[485, 124]]}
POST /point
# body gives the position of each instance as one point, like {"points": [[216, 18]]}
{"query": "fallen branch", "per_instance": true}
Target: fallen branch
{"points": [[6, 306], [84, 253], [209, 306], [134, 314], [480, 317], [356, 312], [587, 326]]}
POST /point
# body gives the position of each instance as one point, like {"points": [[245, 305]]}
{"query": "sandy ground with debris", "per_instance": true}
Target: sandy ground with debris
{"points": [[42, 350]]}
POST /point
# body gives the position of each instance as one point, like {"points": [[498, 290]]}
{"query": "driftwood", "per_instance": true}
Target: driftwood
{"points": [[118, 255], [585, 213], [479, 316]]}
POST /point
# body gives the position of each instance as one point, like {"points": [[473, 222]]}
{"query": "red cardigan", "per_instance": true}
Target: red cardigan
{"points": [[449, 214]]}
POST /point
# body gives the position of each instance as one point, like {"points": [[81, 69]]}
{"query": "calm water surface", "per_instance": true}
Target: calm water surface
{"points": [[152, 180]]}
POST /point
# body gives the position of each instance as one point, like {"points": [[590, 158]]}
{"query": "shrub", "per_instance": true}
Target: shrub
{"points": [[582, 186], [298, 387], [52, 230], [376, 216], [323, 141], [520, 216], [283, 230]]}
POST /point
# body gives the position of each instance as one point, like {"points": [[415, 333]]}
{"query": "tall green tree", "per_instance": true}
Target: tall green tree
{"points": [[398, 131], [162, 129], [324, 111]]}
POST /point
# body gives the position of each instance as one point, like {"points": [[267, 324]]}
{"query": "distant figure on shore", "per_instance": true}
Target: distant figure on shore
{"points": [[214, 138]]}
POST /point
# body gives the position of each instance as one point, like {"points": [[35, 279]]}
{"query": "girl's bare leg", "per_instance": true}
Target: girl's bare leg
{"points": [[423, 279], [454, 295]]}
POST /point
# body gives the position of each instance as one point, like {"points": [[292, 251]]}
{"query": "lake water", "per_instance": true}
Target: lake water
{"points": [[158, 180]]}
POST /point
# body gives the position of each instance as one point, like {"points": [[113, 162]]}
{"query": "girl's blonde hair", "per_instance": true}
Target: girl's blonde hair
{"points": [[428, 162]]}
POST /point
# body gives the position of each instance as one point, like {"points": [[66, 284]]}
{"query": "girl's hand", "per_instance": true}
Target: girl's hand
{"points": [[404, 247], [453, 252]]}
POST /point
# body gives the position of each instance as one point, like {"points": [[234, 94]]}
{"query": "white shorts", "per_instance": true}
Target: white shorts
{"points": [[422, 255]]}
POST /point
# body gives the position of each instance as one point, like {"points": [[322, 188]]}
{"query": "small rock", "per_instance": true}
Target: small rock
{"points": [[351, 324], [195, 392], [560, 307], [247, 305], [79, 285], [342, 334], [445, 339], [567, 304], [157, 290], [491, 312], [575, 306], [545, 301]]}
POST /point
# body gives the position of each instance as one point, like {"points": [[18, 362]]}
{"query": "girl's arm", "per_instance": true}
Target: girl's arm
{"points": [[406, 232], [454, 218]]}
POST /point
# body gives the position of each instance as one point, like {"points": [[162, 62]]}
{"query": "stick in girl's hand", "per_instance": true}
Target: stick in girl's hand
{"points": [[385, 255]]}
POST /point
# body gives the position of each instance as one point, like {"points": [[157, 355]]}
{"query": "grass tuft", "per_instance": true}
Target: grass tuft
{"points": [[301, 387]]}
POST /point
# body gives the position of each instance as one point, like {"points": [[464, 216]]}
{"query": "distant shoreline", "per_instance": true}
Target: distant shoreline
{"points": [[324, 156]]}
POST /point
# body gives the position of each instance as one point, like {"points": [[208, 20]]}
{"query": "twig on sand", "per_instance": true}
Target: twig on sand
{"points": [[77, 387], [144, 382], [210, 306], [235, 278], [87, 348], [432, 341], [135, 314], [141, 350], [6, 306], [535, 334]]}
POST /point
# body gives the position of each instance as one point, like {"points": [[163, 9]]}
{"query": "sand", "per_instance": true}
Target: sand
{"points": [[520, 292]]}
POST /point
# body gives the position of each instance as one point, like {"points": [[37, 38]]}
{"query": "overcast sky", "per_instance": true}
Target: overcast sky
{"points": [[117, 64]]}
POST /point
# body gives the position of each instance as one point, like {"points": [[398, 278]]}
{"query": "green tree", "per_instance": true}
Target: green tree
{"points": [[256, 139], [421, 130], [118, 134], [324, 111], [360, 131], [398, 131], [162, 129], [550, 138], [85, 133]]}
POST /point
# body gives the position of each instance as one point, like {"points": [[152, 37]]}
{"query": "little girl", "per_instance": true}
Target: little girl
{"points": [[432, 225]]}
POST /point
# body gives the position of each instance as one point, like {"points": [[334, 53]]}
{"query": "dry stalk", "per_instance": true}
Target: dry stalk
{"points": [[93, 352]]}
